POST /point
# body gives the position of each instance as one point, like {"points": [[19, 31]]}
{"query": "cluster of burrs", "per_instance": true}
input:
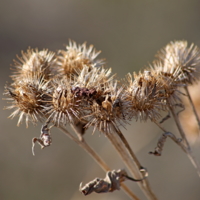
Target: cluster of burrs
{"points": [[73, 87]]}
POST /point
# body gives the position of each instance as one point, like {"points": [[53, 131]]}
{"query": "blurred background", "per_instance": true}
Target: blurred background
{"points": [[129, 33]]}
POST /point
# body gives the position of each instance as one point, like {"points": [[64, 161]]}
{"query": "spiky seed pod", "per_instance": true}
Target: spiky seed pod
{"points": [[28, 98], [75, 58], [169, 80], [65, 106], [34, 61], [108, 110], [145, 95], [178, 56], [93, 78], [88, 85]]}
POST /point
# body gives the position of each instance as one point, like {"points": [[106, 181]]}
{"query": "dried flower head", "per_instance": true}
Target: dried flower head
{"points": [[145, 95], [178, 56], [34, 61], [169, 82], [64, 106], [109, 109], [75, 58], [100, 98], [27, 98], [93, 78]]}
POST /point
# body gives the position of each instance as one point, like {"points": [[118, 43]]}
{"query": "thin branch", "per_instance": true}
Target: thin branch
{"points": [[182, 133], [178, 124], [128, 160], [172, 136], [133, 156], [83, 144]]}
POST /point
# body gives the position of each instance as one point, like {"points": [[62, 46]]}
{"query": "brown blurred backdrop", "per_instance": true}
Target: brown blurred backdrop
{"points": [[129, 33]]}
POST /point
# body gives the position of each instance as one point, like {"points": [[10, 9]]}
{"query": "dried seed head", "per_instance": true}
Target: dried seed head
{"points": [[145, 95], [64, 107], [34, 61], [178, 56], [169, 82], [108, 110], [93, 78], [27, 98], [75, 58]]}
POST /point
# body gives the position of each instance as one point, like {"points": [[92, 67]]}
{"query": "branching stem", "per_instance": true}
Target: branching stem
{"points": [[133, 166], [83, 144], [182, 133]]}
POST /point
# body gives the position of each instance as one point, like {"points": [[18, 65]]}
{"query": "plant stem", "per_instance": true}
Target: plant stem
{"points": [[83, 144], [139, 166], [132, 166], [178, 124], [192, 104], [182, 133]]}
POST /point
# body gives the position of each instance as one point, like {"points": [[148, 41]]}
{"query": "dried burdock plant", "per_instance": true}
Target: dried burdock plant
{"points": [[179, 56], [108, 109], [181, 63], [185, 61], [72, 87], [64, 106], [168, 81], [75, 57], [34, 61], [27, 97], [145, 95]]}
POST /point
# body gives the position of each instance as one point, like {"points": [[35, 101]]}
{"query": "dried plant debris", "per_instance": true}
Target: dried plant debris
{"points": [[162, 140], [44, 140], [110, 183]]}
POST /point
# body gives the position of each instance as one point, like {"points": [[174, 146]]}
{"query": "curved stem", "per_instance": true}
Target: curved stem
{"points": [[83, 144], [139, 166], [178, 124], [132, 166], [182, 133], [177, 141]]}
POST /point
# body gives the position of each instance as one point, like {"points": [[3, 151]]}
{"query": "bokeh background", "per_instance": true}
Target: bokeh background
{"points": [[129, 33]]}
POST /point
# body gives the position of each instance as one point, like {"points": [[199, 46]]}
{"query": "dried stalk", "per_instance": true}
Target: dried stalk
{"points": [[130, 163], [139, 166], [178, 124], [182, 133], [83, 144]]}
